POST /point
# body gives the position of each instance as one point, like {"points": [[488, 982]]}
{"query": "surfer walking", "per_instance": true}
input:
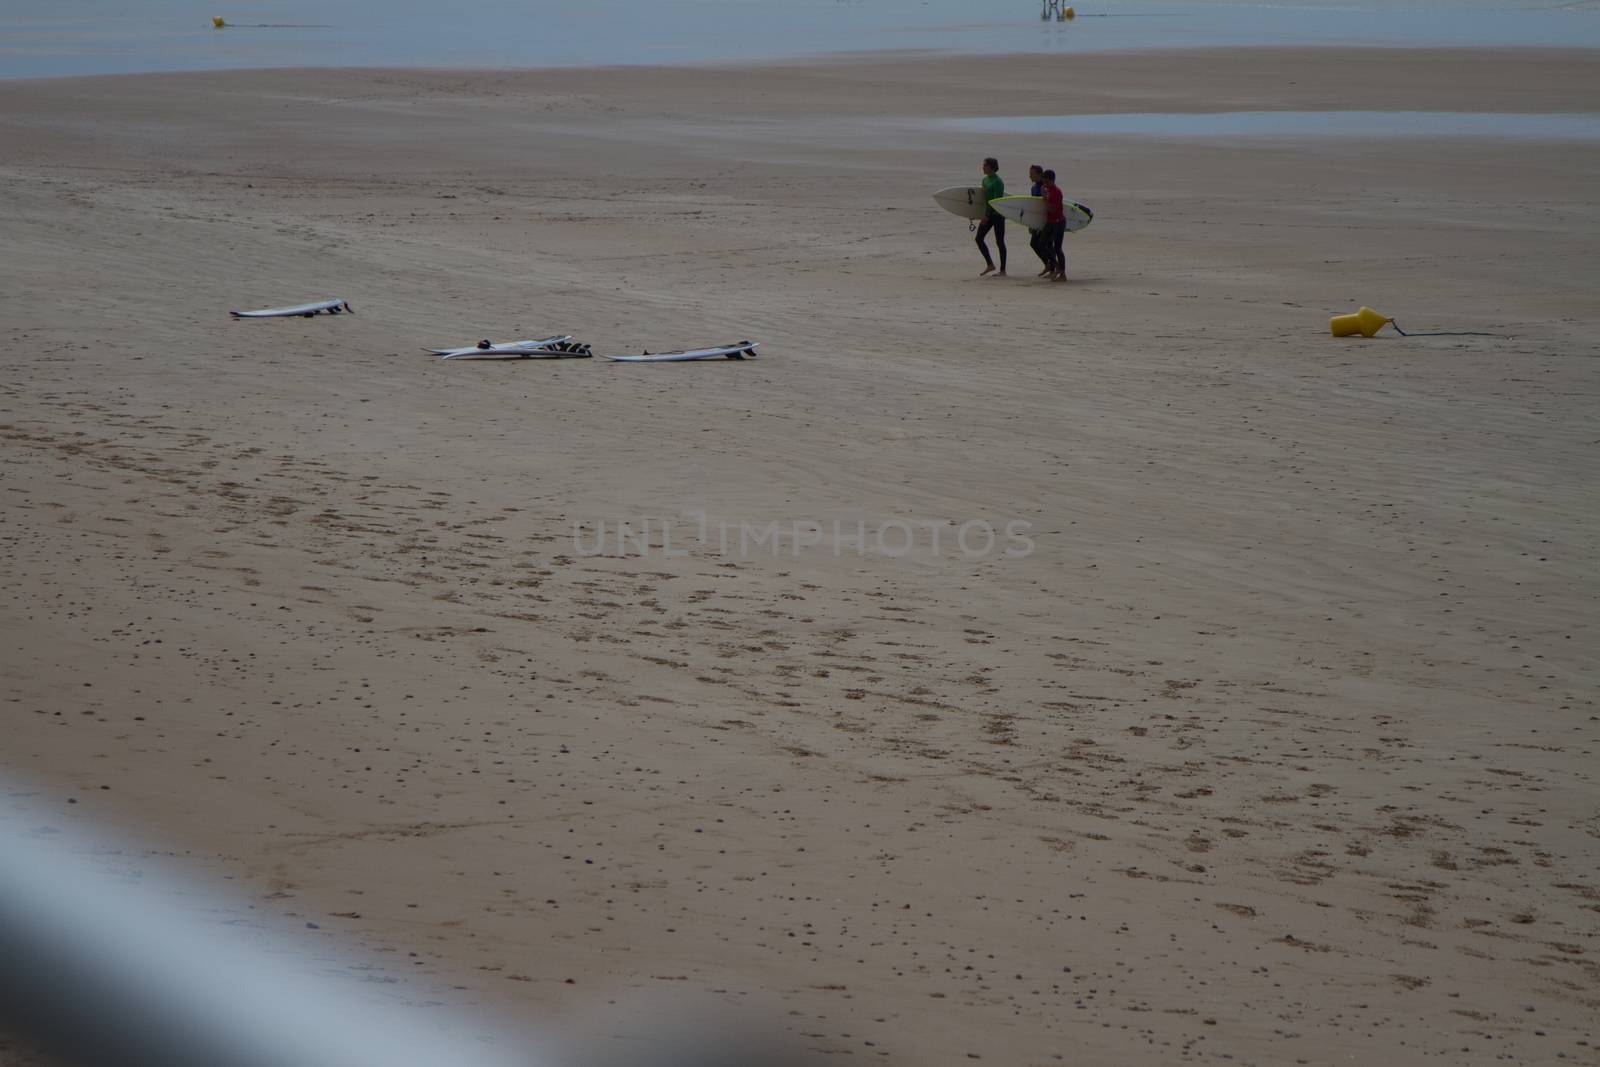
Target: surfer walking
{"points": [[1036, 237], [993, 188], [1055, 227]]}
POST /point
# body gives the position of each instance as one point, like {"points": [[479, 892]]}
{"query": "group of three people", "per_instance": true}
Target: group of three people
{"points": [[1046, 242]]}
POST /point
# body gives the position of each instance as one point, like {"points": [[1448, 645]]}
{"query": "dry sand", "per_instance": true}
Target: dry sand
{"points": [[1279, 748]]}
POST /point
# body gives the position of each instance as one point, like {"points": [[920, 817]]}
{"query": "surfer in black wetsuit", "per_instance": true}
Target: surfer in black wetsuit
{"points": [[993, 188]]}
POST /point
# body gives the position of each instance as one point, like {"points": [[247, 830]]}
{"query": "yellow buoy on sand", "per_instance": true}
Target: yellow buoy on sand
{"points": [[216, 20], [1366, 322]]}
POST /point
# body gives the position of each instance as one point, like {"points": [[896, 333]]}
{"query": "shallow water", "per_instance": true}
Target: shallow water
{"points": [[1581, 126], [59, 37]]}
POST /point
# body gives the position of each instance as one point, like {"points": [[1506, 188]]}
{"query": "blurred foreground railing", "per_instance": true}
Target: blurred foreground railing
{"points": [[105, 962]]}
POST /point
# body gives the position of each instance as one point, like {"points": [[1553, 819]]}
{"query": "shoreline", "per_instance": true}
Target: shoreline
{"points": [[1586, 56], [1200, 81]]}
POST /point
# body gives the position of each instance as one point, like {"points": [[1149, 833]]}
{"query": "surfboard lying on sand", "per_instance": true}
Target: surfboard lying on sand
{"points": [[332, 307], [499, 346], [555, 348], [963, 200], [488, 349], [1030, 211], [738, 351]]}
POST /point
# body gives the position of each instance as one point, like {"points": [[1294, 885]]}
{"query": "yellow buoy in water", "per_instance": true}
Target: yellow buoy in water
{"points": [[1068, 13], [1366, 322], [216, 20]]}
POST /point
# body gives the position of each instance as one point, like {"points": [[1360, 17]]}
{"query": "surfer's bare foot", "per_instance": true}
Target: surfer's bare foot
{"points": [[986, 270]]}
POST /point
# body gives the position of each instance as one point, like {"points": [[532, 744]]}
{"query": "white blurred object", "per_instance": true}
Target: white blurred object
{"points": [[127, 969], [105, 962]]}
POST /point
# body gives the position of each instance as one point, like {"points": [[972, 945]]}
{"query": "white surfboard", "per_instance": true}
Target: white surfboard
{"points": [[738, 351], [562, 349], [1030, 211], [499, 346], [332, 307], [503, 347], [963, 200]]}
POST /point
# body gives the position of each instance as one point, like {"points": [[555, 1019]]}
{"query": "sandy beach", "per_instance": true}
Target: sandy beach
{"points": [[1278, 746]]}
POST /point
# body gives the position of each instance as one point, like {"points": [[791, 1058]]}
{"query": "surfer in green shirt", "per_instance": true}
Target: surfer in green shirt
{"points": [[993, 188]]}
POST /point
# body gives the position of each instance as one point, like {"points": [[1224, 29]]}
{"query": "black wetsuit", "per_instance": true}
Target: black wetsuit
{"points": [[997, 223], [993, 220]]}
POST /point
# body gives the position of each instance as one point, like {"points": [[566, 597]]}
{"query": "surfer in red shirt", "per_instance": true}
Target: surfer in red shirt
{"points": [[1036, 237], [1055, 227]]}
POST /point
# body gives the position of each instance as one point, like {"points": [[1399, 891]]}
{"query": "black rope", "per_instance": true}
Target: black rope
{"points": [[1442, 333]]}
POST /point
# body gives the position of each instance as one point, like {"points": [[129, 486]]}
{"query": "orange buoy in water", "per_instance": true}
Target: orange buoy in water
{"points": [[1366, 322]]}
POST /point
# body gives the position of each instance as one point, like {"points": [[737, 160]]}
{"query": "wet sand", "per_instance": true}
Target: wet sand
{"points": [[1279, 747]]}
